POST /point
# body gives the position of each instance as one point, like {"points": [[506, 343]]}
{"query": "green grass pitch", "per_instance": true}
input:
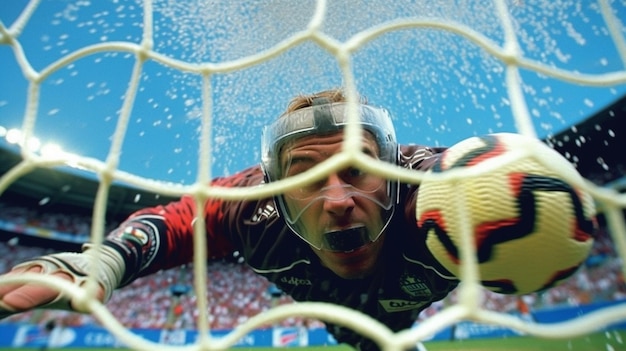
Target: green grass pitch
{"points": [[614, 340]]}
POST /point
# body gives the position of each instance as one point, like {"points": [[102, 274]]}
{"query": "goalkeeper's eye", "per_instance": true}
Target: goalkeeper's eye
{"points": [[352, 173]]}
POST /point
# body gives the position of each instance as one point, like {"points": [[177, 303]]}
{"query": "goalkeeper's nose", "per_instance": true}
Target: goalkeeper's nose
{"points": [[337, 196]]}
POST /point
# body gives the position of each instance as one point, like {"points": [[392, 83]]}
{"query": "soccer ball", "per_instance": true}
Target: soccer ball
{"points": [[531, 227]]}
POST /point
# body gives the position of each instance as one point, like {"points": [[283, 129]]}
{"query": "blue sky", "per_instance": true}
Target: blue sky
{"points": [[439, 87]]}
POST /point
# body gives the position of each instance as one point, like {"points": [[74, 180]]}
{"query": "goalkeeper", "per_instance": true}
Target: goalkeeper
{"points": [[349, 239]]}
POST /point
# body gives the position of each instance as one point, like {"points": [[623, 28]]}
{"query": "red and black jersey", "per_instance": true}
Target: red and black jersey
{"points": [[407, 281]]}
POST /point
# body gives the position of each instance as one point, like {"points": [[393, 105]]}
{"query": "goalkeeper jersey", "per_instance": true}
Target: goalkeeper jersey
{"points": [[407, 279]]}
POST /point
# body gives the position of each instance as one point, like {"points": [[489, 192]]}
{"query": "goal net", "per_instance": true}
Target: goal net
{"points": [[164, 95]]}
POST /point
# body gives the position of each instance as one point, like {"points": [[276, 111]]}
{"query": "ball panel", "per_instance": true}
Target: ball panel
{"points": [[470, 152]]}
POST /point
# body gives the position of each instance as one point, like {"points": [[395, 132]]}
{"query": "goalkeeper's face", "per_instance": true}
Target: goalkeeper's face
{"points": [[342, 216]]}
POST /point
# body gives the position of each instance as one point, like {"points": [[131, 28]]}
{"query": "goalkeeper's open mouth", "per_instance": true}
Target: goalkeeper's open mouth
{"points": [[346, 240]]}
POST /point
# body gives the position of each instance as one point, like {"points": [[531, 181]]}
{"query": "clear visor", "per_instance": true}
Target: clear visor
{"points": [[321, 238], [336, 193], [353, 177]]}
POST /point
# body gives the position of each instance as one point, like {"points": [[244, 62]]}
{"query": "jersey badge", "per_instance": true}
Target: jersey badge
{"points": [[414, 286]]}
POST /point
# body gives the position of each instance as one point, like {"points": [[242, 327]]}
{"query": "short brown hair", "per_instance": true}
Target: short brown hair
{"points": [[334, 95]]}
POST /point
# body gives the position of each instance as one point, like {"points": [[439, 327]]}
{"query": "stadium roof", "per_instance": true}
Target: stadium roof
{"points": [[62, 189], [596, 145]]}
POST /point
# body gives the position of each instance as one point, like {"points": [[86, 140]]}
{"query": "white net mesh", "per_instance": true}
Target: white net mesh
{"points": [[444, 65]]}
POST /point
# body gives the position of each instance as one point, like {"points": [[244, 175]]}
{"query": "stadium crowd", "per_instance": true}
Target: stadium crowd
{"points": [[235, 293]]}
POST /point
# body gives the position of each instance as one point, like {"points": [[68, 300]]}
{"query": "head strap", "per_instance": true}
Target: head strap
{"points": [[323, 116]]}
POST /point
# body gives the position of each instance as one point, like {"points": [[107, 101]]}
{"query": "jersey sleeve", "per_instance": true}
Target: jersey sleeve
{"points": [[418, 158], [161, 237]]}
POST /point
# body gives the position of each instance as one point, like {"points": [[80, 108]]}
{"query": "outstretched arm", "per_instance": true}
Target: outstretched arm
{"points": [[150, 240]]}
